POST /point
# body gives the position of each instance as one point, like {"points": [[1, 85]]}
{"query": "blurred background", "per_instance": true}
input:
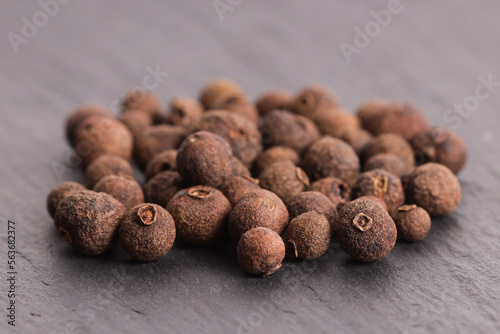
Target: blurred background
{"points": [[58, 54]]}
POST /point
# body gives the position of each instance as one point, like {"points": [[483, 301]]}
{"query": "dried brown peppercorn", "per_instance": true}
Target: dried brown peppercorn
{"points": [[413, 223], [403, 119], [308, 236], [260, 208], [373, 198], [184, 111], [200, 214], [284, 179], [275, 154], [141, 100], [337, 190], [89, 221], [331, 157], [242, 136], [282, 128], [237, 186], [124, 189], [238, 168], [389, 162], [312, 101], [61, 191], [147, 232], [161, 162], [381, 184], [219, 91], [136, 121], [157, 139], [312, 201], [334, 122], [204, 159], [97, 136], [434, 188], [389, 143], [365, 230], [271, 100], [162, 187], [241, 106], [81, 114], [357, 138], [260, 251], [442, 146], [106, 165]]}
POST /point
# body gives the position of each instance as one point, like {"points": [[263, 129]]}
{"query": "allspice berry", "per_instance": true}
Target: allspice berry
{"points": [[148, 103], [162, 187], [184, 111], [413, 223], [389, 143], [147, 232], [242, 107], [238, 168], [381, 184], [308, 236], [260, 208], [61, 191], [442, 146], [357, 138], [312, 201], [337, 190], [282, 128], [106, 165], [219, 91], [275, 154], [331, 157], [433, 187], [81, 114], [334, 122], [163, 161], [204, 159], [136, 121], [271, 100], [157, 139], [312, 101], [97, 136], [284, 179], [389, 162], [365, 230], [237, 186], [200, 214], [373, 198], [403, 119], [260, 251], [242, 136], [124, 189], [89, 221]]}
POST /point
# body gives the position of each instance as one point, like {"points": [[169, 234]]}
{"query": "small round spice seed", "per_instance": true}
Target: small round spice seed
{"points": [[312, 201], [312, 101], [89, 221], [204, 159], [365, 230], [433, 187], [389, 143], [271, 100], [284, 179], [81, 114], [275, 154], [144, 101], [337, 190], [334, 122], [104, 166], [61, 191], [413, 223], [237, 186], [124, 189], [184, 111], [219, 91], [136, 121], [260, 251], [389, 162], [260, 208], [200, 214], [162, 187], [147, 232], [308, 236], [166, 160]]}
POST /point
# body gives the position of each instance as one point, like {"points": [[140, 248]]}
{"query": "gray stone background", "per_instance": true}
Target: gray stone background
{"points": [[432, 54]]}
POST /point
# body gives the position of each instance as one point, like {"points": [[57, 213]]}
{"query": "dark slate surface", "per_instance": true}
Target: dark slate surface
{"points": [[431, 54]]}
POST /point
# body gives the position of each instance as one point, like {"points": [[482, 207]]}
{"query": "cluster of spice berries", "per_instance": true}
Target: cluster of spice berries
{"points": [[279, 177]]}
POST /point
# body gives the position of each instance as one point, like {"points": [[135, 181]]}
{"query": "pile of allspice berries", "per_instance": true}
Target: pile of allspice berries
{"points": [[279, 177]]}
